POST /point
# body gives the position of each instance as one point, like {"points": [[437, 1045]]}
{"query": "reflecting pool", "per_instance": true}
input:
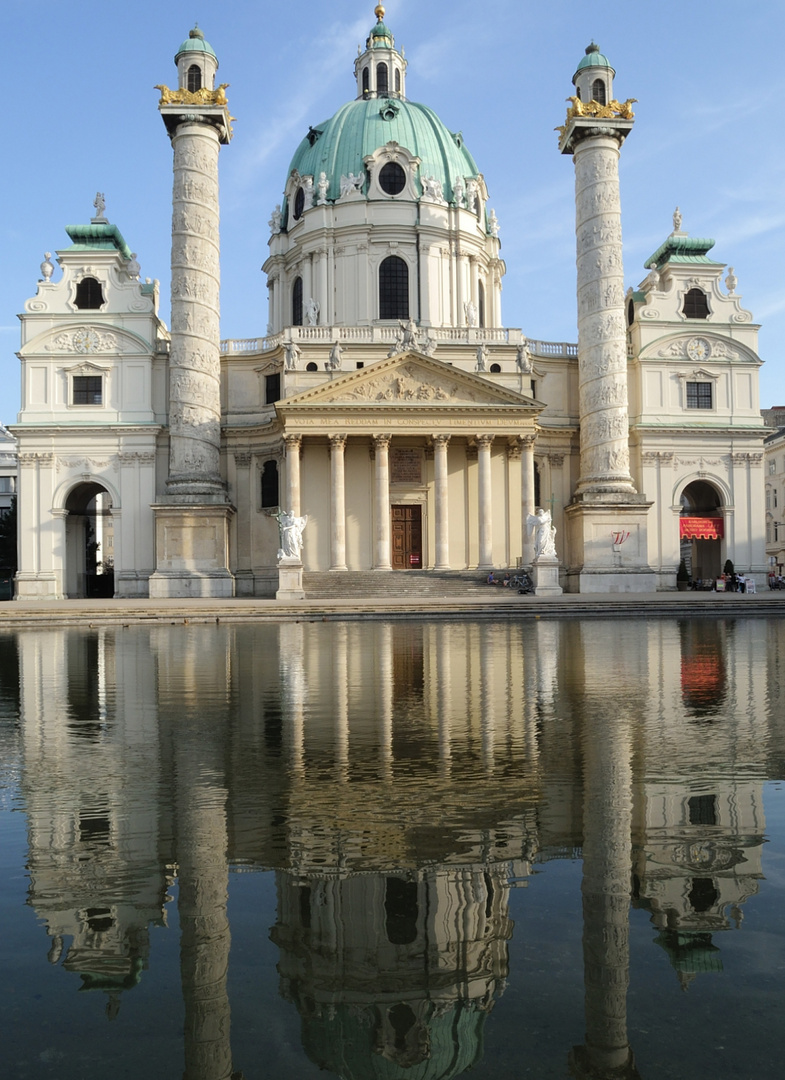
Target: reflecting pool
{"points": [[393, 851]]}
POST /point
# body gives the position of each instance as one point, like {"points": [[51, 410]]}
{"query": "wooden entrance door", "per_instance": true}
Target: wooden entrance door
{"points": [[406, 537]]}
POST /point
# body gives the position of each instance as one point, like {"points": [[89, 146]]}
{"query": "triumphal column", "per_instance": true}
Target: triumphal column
{"points": [[606, 520], [193, 514]]}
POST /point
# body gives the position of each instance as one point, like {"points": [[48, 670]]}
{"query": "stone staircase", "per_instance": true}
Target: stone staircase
{"points": [[391, 584]]}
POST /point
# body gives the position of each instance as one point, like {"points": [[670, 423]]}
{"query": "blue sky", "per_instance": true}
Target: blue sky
{"points": [[81, 117]]}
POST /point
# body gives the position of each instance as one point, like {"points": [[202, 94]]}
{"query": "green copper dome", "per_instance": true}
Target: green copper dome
{"points": [[195, 43], [339, 146], [594, 58]]}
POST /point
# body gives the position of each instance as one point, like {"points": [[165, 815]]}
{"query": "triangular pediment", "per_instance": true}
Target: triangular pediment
{"points": [[409, 379]]}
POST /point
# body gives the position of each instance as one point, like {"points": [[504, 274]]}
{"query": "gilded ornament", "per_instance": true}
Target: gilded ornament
{"points": [[193, 97]]}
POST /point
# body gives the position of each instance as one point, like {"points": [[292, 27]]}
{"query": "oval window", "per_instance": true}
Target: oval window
{"points": [[392, 178]]}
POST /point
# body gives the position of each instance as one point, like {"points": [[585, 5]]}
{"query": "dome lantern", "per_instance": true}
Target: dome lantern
{"points": [[381, 69]]}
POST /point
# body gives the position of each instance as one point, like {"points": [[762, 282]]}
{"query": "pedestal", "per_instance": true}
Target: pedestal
{"points": [[192, 552], [608, 544], [545, 575], [290, 580]]}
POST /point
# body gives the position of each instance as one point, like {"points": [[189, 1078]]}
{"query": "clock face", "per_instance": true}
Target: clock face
{"points": [[698, 349], [85, 341]]}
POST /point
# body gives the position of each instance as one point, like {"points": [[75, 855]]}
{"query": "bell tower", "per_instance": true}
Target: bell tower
{"points": [[192, 517]]}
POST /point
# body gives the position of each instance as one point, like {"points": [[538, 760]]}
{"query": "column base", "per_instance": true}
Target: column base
{"points": [[192, 552], [545, 574], [608, 544], [29, 586], [290, 580]]}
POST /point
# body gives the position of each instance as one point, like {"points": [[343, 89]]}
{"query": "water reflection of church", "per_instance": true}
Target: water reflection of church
{"points": [[400, 780]]}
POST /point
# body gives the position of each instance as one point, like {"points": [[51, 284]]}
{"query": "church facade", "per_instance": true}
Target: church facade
{"points": [[387, 408]]}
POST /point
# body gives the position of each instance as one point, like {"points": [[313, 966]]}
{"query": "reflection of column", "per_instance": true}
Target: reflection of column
{"points": [[381, 445], [487, 690], [293, 691], [527, 496], [444, 697], [607, 867], [337, 503], [484, 500], [440, 444], [386, 690], [293, 444], [341, 685]]}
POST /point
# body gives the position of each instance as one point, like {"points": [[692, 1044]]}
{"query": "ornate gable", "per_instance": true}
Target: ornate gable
{"points": [[410, 379]]}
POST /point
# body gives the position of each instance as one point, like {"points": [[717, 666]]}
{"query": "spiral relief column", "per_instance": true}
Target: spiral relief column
{"points": [[193, 514], [605, 505]]}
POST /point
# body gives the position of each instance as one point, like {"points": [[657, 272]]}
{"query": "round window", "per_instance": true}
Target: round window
{"points": [[392, 178]]}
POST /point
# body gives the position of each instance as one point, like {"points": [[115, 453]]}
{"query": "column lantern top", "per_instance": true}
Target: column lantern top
{"points": [[196, 67], [593, 109]]}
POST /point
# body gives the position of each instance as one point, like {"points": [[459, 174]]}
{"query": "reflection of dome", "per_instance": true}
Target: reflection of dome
{"points": [[339, 146], [376, 1043]]}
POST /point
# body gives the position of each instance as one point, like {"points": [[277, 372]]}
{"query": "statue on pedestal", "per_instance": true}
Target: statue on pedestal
{"points": [[541, 524], [290, 535]]}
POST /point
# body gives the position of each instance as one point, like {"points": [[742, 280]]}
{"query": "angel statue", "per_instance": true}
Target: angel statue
{"points": [[541, 524], [290, 534]]}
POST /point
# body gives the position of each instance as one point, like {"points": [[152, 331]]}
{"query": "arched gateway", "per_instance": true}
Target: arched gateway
{"points": [[89, 542], [702, 529]]}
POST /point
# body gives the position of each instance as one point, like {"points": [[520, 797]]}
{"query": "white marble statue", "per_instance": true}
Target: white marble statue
{"points": [[336, 358], [432, 188], [409, 334], [677, 220], [731, 281], [523, 359], [99, 202], [472, 193], [308, 193], [291, 354], [459, 191], [470, 311], [482, 358], [133, 267], [290, 534], [323, 186], [352, 183], [276, 219], [541, 524], [427, 344], [311, 312], [397, 345], [493, 223]]}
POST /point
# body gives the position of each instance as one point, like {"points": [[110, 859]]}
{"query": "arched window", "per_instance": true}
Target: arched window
{"points": [[393, 289], [598, 92], [366, 80], [382, 79], [397, 80], [89, 294], [194, 78], [270, 484], [299, 204], [480, 303], [297, 302], [696, 306]]}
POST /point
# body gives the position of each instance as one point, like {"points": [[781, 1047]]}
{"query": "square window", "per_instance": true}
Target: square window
{"points": [[88, 390], [699, 395]]}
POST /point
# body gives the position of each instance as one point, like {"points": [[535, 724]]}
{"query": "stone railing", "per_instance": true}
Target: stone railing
{"points": [[385, 335]]}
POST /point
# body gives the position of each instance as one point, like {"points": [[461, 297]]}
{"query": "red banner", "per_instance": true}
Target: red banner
{"points": [[701, 528]]}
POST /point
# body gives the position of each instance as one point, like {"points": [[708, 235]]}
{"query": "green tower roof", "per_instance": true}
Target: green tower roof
{"points": [[98, 237], [682, 249], [195, 43], [339, 145]]}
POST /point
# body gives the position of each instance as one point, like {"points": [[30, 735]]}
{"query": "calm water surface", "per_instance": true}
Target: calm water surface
{"points": [[393, 851]]}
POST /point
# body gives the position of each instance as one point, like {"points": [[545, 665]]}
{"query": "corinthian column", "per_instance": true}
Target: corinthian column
{"points": [[337, 503], [484, 500], [440, 444], [381, 445], [527, 497], [293, 444]]}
